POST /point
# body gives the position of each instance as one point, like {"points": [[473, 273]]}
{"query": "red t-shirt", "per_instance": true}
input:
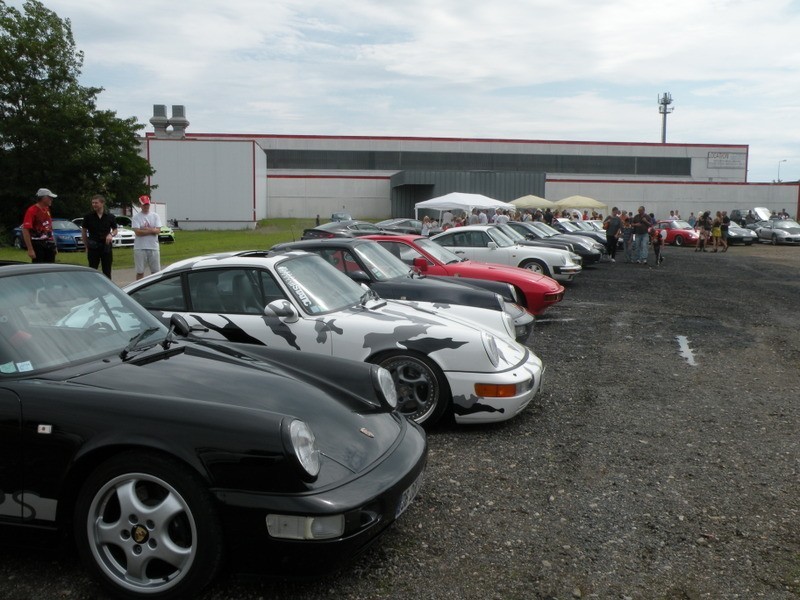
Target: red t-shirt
{"points": [[39, 221]]}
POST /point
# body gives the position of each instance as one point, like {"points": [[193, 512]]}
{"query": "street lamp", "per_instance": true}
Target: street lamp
{"points": [[779, 169]]}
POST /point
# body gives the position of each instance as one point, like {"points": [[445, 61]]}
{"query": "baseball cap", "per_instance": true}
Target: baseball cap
{"points": [[144, 199], [45, 192]]}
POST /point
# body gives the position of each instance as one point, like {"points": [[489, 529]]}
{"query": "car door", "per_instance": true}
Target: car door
{"points": [[474, 245], [228, 304], [10, 456]]}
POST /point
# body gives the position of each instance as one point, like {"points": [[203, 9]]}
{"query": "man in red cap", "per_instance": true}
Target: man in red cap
{"points": [[146, 226], [37, 229]]}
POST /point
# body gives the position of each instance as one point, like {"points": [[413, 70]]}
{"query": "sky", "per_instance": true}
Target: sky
{"points": [[578, 70]]}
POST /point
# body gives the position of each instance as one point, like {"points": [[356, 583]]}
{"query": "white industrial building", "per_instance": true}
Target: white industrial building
{"points": [[230, 181]]}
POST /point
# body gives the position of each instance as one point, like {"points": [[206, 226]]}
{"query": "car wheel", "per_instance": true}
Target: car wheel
{"points": [[678, 241], [146, 527], [774, 240], [536, 266], [422, 391]]}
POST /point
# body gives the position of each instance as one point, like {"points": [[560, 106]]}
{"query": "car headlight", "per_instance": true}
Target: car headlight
{"points": [[384, 383], [490, 345], [576, 258], [301, 443]]}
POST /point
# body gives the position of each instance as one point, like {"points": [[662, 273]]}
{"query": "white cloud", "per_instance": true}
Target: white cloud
{"points": [[534, 69]]}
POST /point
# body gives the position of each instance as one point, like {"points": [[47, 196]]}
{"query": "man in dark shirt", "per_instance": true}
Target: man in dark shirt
{"points": [[641, 226], [613, 227], [98, 230]]}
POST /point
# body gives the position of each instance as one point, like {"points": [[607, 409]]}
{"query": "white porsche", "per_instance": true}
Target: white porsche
{"points": [[439, 360], [488, 243]]}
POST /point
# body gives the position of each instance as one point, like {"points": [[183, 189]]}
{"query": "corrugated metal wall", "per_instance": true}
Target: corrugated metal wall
{"points": [[410, 187]]}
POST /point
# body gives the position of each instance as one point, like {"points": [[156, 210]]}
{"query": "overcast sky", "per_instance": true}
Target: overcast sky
{"points": [[521, 69]]}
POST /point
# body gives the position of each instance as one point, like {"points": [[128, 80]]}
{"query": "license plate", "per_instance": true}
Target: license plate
{"points": [[408, 495]]}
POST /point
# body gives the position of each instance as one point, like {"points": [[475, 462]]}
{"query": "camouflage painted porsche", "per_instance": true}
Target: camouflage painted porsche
{"points": [[439, 360]]}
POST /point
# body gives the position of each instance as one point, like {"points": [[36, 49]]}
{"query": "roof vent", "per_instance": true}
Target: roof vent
{"points": [[172, 128]]}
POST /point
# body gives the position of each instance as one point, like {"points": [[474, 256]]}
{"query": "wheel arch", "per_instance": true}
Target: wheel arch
{"points": [[87, 462]]}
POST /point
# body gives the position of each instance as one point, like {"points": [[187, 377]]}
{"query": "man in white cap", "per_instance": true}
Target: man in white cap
{"points": [[37, 229], [146, 226]]}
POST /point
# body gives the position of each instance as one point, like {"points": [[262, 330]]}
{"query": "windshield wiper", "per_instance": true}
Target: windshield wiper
{"points": [[135, 341]]}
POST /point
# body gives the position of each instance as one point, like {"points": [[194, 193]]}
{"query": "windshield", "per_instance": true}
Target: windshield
{"points": [[512, 233], [545, 228], [678, 224], [500, 238], [316, 285], [65, 225], [787, 224], [569, 226], [381, 263], [438, 252], [58, 318]]}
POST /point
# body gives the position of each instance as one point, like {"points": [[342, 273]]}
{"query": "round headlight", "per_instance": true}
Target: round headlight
{"points": [[304, 445], [490, 345], [386, 387]]}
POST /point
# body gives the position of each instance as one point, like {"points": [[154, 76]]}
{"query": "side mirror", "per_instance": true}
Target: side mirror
{"points": [[282, 309], [420, 264], [492, 245], [358, 276], [178, 323]]}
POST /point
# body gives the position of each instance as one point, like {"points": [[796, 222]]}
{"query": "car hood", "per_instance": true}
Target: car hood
{"points": [[470, 268], [196, 379]]}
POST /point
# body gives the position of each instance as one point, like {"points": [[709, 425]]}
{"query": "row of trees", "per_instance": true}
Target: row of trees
{"points": [[51, 132]]}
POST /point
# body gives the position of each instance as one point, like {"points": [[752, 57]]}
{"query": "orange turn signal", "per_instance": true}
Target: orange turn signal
{"points": [[490, 390]]}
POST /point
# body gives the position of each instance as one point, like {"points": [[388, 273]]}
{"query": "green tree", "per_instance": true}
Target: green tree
{"points": [[51, 132]]}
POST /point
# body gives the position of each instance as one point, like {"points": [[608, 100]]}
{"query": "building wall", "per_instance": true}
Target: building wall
{"points": [[209, 184], [231, 180]]}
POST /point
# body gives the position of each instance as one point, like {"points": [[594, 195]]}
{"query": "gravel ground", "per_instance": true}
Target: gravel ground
{"points": [[660, 462]]}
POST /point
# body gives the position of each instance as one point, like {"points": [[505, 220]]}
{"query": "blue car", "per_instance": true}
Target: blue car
{"points": [[67, 235]]}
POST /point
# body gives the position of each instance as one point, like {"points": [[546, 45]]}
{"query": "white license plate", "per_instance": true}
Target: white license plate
{"points": [[408, 495]]}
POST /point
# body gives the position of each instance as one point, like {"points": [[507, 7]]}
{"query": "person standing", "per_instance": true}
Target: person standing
{"points": [[641, 227], [613, 227], [37, 229], [146, 225], [98, 229], [726, 225], [627, 237]]}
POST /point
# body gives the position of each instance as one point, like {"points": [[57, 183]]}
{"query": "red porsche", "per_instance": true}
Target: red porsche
{"points": [[535, 292]]}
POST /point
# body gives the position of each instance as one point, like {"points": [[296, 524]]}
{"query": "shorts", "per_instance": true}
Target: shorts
{"points": [[146, 258]]}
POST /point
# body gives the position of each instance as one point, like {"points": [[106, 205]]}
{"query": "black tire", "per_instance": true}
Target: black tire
{"points": [[422, 391], [774, 240], [146, 527], [535, 266], [678, 241]]}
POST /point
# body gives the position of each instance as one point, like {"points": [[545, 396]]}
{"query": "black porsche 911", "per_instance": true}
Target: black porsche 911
{"points": [[163, 457]]}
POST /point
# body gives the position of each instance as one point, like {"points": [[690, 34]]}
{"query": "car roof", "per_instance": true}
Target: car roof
{"points": [[245, 258], [323, 242]]}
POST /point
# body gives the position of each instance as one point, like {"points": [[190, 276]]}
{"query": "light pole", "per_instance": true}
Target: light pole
{"points": [[779, 169]]}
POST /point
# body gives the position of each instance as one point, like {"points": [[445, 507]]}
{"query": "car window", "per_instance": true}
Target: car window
{"points": [[403, 251], [166, 294], [381, 263], [497, 236]]}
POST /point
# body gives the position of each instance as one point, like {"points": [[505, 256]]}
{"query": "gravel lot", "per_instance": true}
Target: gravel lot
{"points": [[636, 474]]}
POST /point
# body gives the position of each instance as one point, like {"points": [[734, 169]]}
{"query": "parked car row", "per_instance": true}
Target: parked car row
{"points": [[68, 235]]}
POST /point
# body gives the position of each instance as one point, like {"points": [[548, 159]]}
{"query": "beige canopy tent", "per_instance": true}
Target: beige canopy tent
{"points": [[531, 201], [580, 202]]}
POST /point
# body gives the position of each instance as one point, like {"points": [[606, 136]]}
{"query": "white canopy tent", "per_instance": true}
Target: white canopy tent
{"points": [[460, 201]]}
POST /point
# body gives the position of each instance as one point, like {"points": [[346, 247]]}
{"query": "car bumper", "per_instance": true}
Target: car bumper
{"points": [[566, 273], [370, 503], [472, 409]]}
